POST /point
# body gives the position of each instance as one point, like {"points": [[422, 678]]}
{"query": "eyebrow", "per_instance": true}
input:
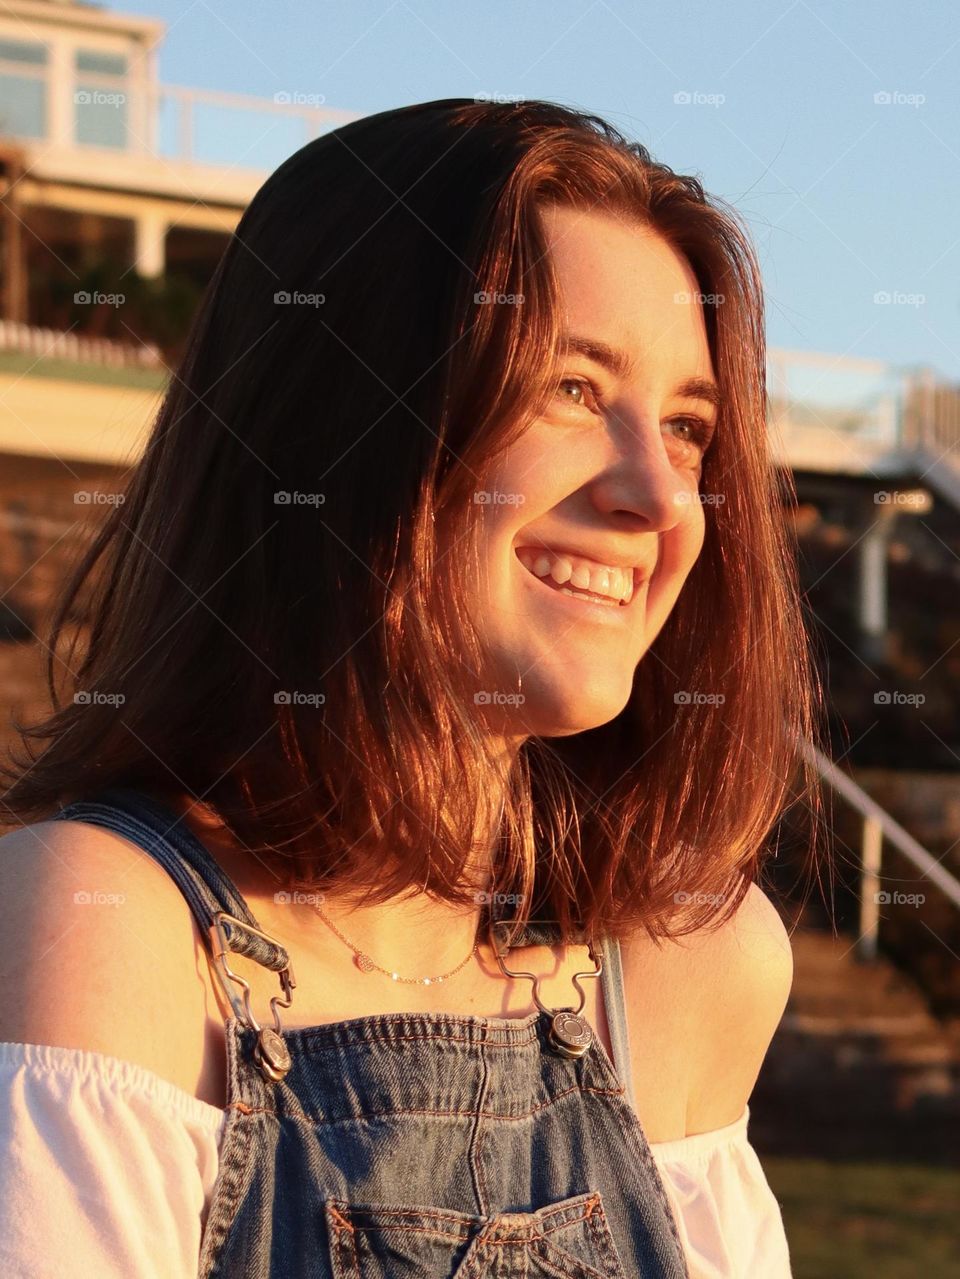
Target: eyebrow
{"points": [[619, 363]]}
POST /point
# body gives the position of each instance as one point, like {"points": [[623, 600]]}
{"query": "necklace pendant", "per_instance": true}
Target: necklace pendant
{"points": [[570, 1034], [364, 962], [272, 1055]]}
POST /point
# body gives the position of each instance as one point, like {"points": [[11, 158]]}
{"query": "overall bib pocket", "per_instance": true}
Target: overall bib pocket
{"points": [[570, 1239]]}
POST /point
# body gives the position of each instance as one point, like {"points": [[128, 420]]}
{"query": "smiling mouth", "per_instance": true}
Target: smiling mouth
{"points": [[569, 575]]}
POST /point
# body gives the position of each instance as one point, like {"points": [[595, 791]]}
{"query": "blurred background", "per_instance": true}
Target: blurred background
{"points": [[132, 137]]}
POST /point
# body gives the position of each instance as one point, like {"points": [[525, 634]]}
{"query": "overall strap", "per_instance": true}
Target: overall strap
{"points": [[611, 981], [164, 835]]}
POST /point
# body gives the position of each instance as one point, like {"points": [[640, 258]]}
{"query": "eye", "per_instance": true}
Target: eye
{"points": [[585, 395], [699, 432]]}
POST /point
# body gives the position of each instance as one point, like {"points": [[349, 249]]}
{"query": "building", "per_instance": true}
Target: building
{"points": [[101, 163]]}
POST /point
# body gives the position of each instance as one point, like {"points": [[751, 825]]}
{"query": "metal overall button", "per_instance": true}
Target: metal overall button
{"points": [[270, 1052], [570, 1034]]}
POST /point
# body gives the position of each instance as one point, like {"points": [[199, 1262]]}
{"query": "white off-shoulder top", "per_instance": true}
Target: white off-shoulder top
{"points": [[106, 1169]]}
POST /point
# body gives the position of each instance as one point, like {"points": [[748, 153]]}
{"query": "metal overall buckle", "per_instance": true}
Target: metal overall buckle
{"points": [[570, 1034], [270, 1052]]}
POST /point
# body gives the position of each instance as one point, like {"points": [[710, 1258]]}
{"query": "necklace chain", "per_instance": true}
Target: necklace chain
{"points": [[367, 965]]}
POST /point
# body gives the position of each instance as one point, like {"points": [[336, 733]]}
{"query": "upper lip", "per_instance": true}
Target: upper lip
{"points": [[641, 571]]}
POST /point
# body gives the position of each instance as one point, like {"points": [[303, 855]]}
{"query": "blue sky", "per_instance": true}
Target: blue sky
{"points": [[846, 197]]}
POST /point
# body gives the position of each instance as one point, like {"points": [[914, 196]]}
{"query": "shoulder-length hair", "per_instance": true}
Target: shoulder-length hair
{"points": [[279, 599]]}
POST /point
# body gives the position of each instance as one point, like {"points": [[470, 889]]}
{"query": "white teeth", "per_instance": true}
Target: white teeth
{"points": [[560, 570], [575, 575]]}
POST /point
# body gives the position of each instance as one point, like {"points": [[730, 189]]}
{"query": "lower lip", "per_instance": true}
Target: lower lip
{"points": [[579, 606]]}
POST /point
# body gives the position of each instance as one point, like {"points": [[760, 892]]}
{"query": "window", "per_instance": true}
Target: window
{"points": [[100, 98], [23, 105]]}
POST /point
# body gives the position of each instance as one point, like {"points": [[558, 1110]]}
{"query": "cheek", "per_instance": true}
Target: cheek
{"points": [[681, 546]]}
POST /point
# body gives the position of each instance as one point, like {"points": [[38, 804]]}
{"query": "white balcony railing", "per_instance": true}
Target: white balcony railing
{"points": [[50, 102]]}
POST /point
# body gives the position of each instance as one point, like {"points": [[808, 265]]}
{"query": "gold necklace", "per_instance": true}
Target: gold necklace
{"points": [[367, 965]]}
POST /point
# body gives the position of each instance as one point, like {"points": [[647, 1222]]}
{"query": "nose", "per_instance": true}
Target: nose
{"points": [[642, 483]]}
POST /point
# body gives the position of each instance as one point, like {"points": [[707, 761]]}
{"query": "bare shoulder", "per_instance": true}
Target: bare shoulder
{"points": [[745, 973], [723, 990], [99, 951]]}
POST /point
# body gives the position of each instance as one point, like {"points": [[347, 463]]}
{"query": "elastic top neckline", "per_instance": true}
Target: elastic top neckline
{"points": [[703, 1143]]}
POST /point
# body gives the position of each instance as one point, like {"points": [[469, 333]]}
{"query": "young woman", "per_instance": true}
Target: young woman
{"points": [[443, 681]]}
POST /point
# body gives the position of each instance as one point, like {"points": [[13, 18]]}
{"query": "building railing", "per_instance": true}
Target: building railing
{"points": [[185, 118], [877, 826], [49, 101], [865, 417], [26, 339]]}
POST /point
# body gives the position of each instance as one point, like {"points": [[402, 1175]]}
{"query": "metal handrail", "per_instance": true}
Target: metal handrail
{"points": [[877, 825]]}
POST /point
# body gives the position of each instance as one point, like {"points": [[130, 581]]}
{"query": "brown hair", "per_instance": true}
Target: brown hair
{"points": [[211, 601]]}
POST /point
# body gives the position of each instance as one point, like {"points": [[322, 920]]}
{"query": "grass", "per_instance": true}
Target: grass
{"points": [[103, 374], [868, 1220]]}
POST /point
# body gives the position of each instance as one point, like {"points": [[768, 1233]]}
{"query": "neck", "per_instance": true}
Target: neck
{"points": [[413, 934]]}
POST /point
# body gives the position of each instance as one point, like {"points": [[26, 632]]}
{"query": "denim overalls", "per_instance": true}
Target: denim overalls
{"points": [[409, 1145]]}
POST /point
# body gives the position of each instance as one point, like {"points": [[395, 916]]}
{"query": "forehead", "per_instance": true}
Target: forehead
{"points": [[624, 284]]}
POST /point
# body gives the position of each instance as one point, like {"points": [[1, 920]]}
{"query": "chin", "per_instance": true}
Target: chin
{"points": [[559, 711]]}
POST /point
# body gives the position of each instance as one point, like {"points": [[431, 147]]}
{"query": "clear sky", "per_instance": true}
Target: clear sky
{"points": [[846, 197]]}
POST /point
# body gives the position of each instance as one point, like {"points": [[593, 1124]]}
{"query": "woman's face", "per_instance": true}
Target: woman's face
{"points": [[607, 479]]}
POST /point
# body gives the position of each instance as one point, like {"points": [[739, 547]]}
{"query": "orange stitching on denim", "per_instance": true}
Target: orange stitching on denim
{"points": [[342, 1222], [586, 1211], [460, 1229], [567, 1257], [451, 1114], [511, 1042]]}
